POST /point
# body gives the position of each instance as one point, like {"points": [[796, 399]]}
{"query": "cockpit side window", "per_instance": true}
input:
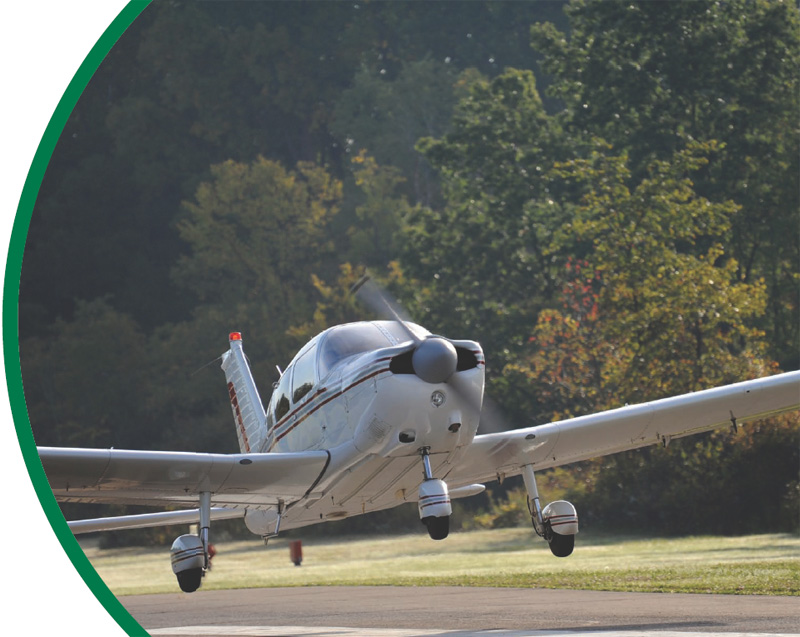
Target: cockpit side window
{"points": [[303, 376], [282, 400]]}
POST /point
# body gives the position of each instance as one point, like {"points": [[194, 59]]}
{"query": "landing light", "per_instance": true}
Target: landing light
{"points": [[438, 398]]}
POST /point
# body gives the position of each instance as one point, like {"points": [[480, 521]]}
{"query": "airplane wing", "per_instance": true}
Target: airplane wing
{"points": [[177, 478], [498, 455]]}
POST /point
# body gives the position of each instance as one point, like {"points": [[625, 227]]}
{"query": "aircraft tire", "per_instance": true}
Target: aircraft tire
{"points": [[438, 528], [562, 545], [189, 580]]}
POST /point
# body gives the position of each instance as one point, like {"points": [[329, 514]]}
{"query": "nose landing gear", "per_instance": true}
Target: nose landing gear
{"points": [[434, 501]]}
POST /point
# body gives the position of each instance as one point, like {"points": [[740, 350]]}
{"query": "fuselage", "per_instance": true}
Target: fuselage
{"points": [[352, 391]]}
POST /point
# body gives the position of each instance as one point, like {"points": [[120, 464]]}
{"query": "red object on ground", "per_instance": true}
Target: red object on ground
{"points": [[296, 552]]}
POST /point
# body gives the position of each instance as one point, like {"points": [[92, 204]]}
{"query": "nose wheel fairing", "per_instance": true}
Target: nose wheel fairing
{"points": [[433, 500]]}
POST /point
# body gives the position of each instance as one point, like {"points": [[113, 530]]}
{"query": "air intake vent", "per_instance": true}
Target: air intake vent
{"points": [[466, 359], [401, 364]]}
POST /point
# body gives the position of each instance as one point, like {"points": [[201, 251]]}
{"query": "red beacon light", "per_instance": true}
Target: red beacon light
{"points": [[235, 336]]}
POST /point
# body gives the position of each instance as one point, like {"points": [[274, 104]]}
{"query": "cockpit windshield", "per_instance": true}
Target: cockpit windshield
{"points": [[345, 341], [398, 332]]}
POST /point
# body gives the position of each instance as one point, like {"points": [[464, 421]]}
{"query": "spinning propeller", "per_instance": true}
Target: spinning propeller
{"points": [[435, 359]]}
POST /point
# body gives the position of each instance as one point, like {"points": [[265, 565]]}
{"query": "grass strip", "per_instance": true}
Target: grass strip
{"points": [[753, 565]]}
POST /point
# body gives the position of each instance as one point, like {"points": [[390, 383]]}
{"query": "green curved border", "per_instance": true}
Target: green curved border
{"points": [[19, 233]]}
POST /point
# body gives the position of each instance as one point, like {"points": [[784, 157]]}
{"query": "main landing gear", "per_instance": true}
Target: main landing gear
{"points": [[557, 522], [434, 501], [190, 553]]}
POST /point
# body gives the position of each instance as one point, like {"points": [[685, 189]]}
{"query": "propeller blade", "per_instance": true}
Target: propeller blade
{"points": [[432, 363], [381, 303], [493, 420]]}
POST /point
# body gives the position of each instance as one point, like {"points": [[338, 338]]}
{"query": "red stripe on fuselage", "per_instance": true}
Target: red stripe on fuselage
{"points": [[322, 404], [289, 416]]}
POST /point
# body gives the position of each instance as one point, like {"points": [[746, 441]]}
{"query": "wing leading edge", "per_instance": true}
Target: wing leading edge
{"points": [[503, 454], [177, 478]]}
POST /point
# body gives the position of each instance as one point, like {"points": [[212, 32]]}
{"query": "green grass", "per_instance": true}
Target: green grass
{"points": [[760, 565]]}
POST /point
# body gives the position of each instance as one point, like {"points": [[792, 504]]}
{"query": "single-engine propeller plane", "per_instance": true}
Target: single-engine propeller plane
{"points": [[367, 416]]}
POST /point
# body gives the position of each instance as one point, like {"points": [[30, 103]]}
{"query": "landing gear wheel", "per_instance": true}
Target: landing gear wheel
{"points": [[189, 580], [438, 528], [561, 545]]}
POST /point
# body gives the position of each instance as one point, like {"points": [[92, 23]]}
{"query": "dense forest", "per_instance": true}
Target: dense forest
{"points": [[604, 194]]}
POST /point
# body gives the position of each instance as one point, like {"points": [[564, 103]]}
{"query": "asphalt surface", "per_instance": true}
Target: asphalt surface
{"points": [[471, 610]]}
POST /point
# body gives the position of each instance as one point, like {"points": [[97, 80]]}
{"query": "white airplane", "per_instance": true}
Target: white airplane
{"points": [[368, 416]]}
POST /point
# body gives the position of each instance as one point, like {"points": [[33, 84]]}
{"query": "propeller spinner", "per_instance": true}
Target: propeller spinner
{"points": [[434, 360]]}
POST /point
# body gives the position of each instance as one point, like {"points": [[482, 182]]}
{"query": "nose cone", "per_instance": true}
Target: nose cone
{"points": [[435, 360]]}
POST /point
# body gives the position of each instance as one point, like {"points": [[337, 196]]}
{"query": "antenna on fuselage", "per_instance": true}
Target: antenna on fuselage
{"points": [[209, 363]]}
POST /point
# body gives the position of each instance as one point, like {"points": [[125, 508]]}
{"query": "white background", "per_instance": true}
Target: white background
{"points": [[43, 42]]}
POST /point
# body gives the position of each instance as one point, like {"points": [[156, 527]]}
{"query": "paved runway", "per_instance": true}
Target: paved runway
{"points": [[459, 612]]}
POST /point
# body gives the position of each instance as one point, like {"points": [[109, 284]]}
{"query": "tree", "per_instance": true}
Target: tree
{"points": [[84, 383], [256, 235], [386, 117], [375, 236], [651, 77], [562, 371], [336, 305], [656, 309], [190, 85], [480, 259], [675, 296]]}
